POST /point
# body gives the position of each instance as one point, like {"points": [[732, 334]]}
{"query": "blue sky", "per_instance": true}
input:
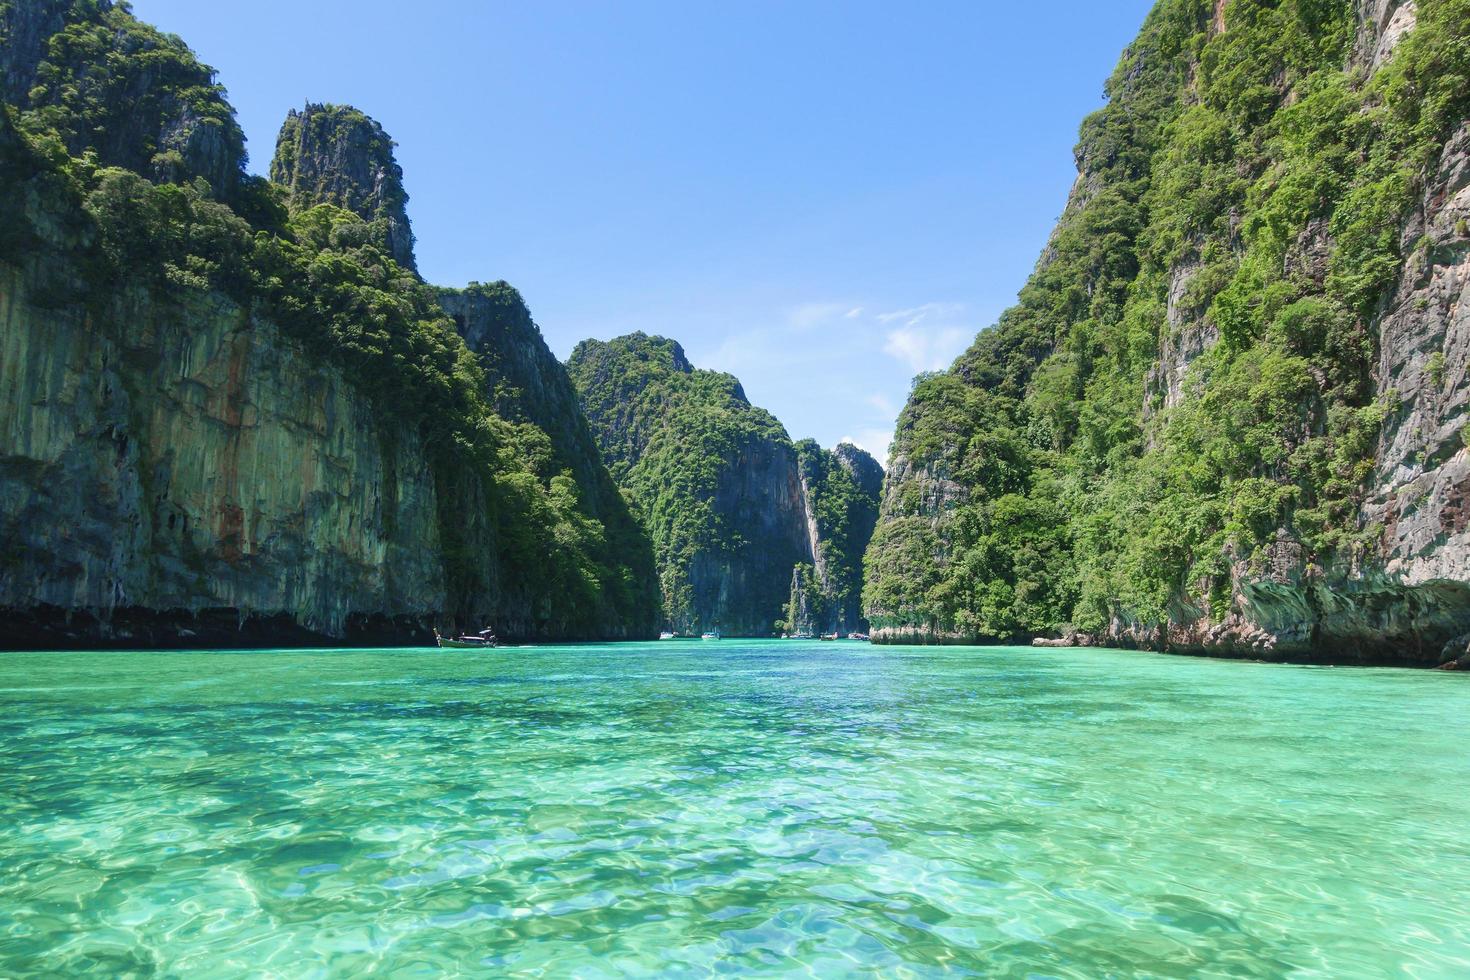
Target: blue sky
{"points": [[823, 198]]}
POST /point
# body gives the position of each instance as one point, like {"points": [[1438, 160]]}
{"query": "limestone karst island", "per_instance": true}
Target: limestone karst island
{"points": [[941, 519]]}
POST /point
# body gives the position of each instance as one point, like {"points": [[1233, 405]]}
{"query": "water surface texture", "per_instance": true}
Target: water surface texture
{"points": [[685, 809]]}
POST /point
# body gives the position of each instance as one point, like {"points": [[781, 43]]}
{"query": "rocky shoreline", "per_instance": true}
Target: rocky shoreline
{"points": [[1373, 622]]}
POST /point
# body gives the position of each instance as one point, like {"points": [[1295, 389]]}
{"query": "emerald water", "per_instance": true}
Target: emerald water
{"points": [[771, 808]]}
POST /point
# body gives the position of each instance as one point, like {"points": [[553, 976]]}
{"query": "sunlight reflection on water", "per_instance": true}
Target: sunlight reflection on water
{"points": [[771, 808]]}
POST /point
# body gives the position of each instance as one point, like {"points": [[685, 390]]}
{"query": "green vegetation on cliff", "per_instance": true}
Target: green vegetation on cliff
{"points": [[333, 154], [709, 471], [842, 488], [528, 386], [90, 75], [1186, 381], [521, 537], [735, 510]]}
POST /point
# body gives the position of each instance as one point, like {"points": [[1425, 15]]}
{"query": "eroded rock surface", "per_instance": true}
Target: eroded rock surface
{"points": [[333, 154]]}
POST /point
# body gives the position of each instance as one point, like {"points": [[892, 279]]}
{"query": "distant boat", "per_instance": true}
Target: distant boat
{"points": [[666, 635], [803, 636], [858, 636], [715, 635], [485, 640], [828, 636]]}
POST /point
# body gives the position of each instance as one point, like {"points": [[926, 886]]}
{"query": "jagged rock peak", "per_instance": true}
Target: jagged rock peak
{"points": [[659, 351], [866, 470], [337, 154]]}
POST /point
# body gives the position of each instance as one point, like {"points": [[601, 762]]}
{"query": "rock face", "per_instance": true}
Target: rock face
{"points": [[188, 477], [338, 155], [104, 82], [1186, 336], [1382, 24], [1420, 486], [865, 471], [840, 491], [528, 384], [25, 27], [736, 511], [178, 473], [219, 427], [1253, 443], [331, 154]]}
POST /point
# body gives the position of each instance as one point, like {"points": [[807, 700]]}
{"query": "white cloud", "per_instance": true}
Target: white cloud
{"points": [[883, 404], [916, 315], [926, 349], [926, 337], [809, 315], [874, 442], [854, 313], [737, 353]]}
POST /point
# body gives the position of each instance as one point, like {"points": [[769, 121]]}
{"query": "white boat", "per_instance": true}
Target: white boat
{"points": [[666, 635], [715, 635], [857, 636], [484, 641]]}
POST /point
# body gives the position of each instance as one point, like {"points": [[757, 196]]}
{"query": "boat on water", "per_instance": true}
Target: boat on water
{"points": [[858, 636], [484, 640], [828, 637], [803, 636], [713, 635], [666, 635]]}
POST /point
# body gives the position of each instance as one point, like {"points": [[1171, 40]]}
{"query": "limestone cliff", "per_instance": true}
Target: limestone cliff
{"points": [[179, 473], [339, 156], [840, 492], [1226, 415], [528, 384], [222, 424], [736, 511]]}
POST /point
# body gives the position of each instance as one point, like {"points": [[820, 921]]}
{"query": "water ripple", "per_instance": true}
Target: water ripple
{"points": [[771, 809]]}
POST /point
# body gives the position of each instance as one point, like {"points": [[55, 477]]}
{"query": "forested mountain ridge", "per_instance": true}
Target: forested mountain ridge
{"points": [[841, 488], [229, 414], [1225, 415], [752, 533], [338, 156]]}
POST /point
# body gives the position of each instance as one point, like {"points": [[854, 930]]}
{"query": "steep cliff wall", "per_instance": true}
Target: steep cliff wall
{"points": [[222, 423], [526, 383], [840, 492], [187, 476], [715, 477], [1225, 416], [1422, 474], [753, 533], [174, 471], [340, 157]]}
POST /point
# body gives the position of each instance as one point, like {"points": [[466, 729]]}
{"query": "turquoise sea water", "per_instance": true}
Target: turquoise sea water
{"points": [[684, 809]]}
